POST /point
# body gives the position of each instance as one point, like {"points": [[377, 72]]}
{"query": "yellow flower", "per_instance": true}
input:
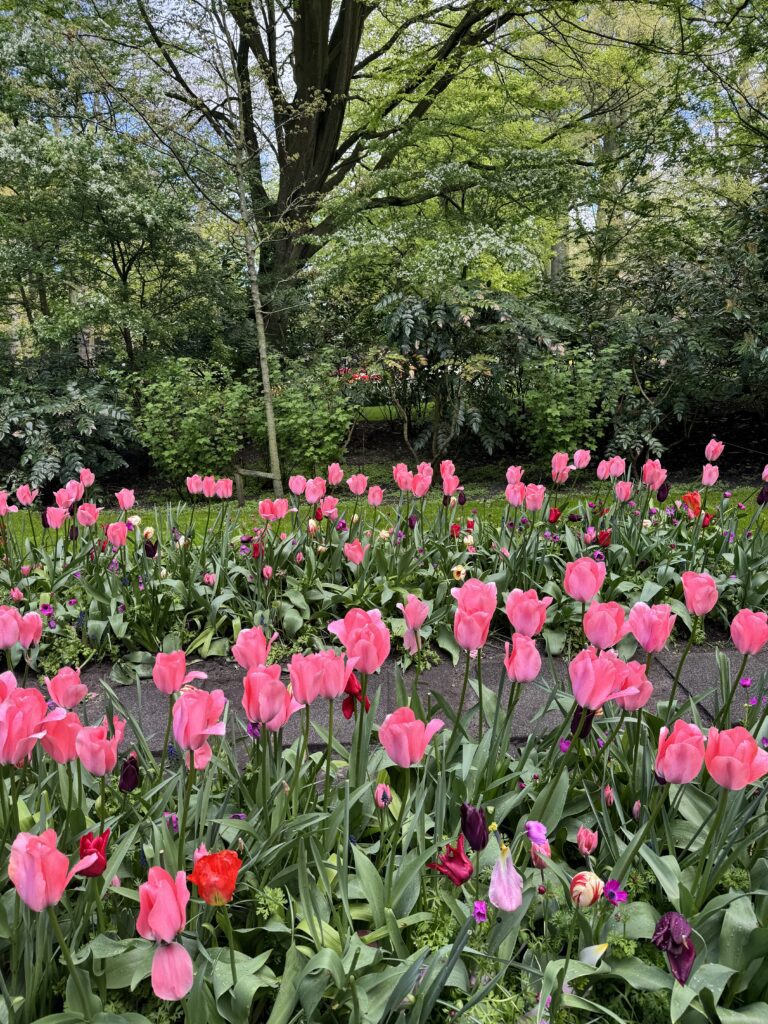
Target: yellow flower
{"points": [[459, 572]]}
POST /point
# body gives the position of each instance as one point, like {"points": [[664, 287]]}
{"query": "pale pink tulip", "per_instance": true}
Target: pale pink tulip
{"points": [[39, 871], [651, 625], [405, 738], [583, 579], [476, 606], [357, 483], [522, 660], [365, 638], [169, 672], [733, 758], [415, 613], [749, 631], [605, 624]]}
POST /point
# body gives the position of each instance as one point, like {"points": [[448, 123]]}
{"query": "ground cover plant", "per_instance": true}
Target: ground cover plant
{"points": [[250, 866]]}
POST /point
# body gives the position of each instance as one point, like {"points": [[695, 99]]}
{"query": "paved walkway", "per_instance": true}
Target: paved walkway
{"points": [[698, 681]]}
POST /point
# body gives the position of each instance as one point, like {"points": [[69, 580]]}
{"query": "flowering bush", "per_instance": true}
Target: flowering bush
{"points": [[612, 869]]}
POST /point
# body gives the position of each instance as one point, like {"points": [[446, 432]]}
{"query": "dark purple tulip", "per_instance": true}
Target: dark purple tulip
{"points": [[474, 826], [412, 520], [462, 498], [44, 517], [582, 720], [150, 548], [574, 517], [673, 936], [662, 492], [130, 774], [446, 501], [73, 533], [762, 498]]}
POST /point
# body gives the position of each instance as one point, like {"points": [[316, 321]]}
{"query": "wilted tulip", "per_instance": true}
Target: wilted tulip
{"points": [[672, 935], [506, 887]]}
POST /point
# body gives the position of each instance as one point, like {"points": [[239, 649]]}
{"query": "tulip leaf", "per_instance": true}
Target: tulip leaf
{"points": [[372, 883], [755, 1013]]}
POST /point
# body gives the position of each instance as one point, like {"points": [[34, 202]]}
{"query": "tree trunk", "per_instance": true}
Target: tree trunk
{"points": [[258, 314]]}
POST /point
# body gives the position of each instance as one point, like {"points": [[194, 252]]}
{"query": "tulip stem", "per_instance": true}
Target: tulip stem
{"points": [[726, 711], [75, 974], [103, 802], [678, 673], [185, 809], [396, 834], [301, 753], [329, 756], [167, 736]]}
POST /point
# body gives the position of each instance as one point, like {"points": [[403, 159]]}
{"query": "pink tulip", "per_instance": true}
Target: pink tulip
{"points": [[251, 649], [266, 572], [97, 750], [709, 475], [335, 474], [297, 484], [196, 717], [25, 495], [375, 496], [651, 625], [733, 758], [713, 450], [604, 624], [681, 753], [402, 476], [749, 631], [534, 496], [223, 488], [265, 699], [30, 630], [654, 475], [62, 498], [66, 688], [329, 507], [357, 483], [522, 660], [169, 672], [322, 674], [583, 579], [595, 678], [163, 903], [505, 890], [560, 467], [450, 485], [447, 468], [75, 490], [126, 499], [273, 511], [7, 683], [581, 458], [526, 611], [476, 606], [603, 469], [515, 494], [87, 478], [209, 486], [421, 484], [88, 514], [117, 534], [195, 484], [61, 729], [5, 508], [315, 489], [700, 592], [55, 517], [586, 840], [382, 796], [765, 473], [425, 469], [514, 474], [21, 724], [623, 490], [355, 552], [636, 687], [365, 638], [405, 738], [16, 594], [415, 613], [39, 871], [616, 467], [10, 622]]}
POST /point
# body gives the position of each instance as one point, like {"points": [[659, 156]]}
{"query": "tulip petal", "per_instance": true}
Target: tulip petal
{"points": [[172, 973]]}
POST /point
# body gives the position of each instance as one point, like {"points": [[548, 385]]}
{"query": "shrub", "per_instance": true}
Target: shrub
{"points": [[195, 417]]}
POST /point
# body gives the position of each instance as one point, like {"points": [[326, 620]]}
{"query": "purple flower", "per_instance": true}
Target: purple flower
{"points": [[524, 520], [480, 911], [565, 746], [46, 609], [536, 832], [745, 681], [238, 817], [598, 556], [172, 821], [673, 937], [51, 624], [253, 730], [341, 526], [72, 602], [614, 893], [412, 521], [244, 549]]}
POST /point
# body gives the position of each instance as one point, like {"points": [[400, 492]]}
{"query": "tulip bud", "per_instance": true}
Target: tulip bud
{"points": [[462, 499], [586, 840], [663, 492], [474, 826], [586, 888], [382, 796], [636, 808], [130, 774]]}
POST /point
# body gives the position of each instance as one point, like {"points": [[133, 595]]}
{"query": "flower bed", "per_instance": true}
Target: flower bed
{"points": [[614, 869]]}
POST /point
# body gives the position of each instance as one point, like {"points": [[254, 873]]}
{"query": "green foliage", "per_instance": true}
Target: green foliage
{"points": [[57, 419], [313, 414], [194, 417]]}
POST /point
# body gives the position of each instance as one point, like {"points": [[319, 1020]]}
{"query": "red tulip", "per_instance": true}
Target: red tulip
{"points": [[91, 844], [215, 875], [454, 863]]}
